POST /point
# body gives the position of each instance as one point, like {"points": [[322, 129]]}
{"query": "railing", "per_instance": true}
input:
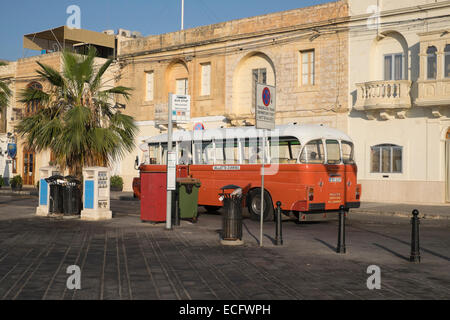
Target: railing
{"points": [[383, 95]]}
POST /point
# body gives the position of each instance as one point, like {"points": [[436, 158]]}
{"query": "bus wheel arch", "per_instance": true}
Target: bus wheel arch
{"points": [[253, 202]]}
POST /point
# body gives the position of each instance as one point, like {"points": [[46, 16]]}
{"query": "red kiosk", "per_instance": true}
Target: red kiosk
{"points": [[154, 191]]}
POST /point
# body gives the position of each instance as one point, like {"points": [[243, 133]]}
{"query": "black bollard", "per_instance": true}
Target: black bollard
{"points": [[279, 226], [415, 247], [341, 236]]}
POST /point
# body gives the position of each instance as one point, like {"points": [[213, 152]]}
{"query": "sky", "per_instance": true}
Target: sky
{"points": [[150, 17]]}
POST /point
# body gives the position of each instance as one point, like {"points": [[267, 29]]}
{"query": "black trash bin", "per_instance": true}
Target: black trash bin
{"points": [[72, 196], [232, 219], [56, 194]]}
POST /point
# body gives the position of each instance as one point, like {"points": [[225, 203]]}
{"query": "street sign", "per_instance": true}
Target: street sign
{"points": [[265, 106], [199, 127], [181, 108], [265, 120], [172, 171]]}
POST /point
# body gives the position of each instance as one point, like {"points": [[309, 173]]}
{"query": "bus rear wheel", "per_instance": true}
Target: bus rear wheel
{"points": [[254, 205]]}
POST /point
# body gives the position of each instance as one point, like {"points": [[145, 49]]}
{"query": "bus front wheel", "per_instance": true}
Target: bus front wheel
{"points": [[254, 205]]}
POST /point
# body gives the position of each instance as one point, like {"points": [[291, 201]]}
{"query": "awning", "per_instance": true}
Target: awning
{"points": [[66, 36]]}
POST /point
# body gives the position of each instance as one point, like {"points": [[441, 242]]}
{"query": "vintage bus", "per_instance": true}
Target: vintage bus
{"points": [[310, 169]]}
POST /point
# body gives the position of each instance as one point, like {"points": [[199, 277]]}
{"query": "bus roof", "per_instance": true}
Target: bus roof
{"points": [[304, 133]]}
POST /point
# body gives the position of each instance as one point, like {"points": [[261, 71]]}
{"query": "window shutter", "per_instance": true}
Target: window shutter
{"points": [[150, 86], [206, 79]]}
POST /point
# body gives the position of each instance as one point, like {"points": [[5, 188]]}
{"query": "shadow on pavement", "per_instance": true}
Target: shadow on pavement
{"points": [[406, 243], [391, 251], [326, 244]]}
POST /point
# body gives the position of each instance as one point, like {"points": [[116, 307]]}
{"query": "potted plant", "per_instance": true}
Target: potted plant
{"points": [[116, 183], [2, 182], [16, 183]]}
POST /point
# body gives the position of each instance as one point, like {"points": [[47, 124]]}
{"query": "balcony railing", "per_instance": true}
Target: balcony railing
{"points": [[434, 93], [395, 94]]}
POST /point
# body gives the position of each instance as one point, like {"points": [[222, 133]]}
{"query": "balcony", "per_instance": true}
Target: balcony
{"points": [[433, 93], [375, 95]]}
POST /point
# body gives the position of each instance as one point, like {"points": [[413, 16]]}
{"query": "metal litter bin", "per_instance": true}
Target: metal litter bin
{"points": [[187, 194], [56, 205], [72, 196], [232, 219]]}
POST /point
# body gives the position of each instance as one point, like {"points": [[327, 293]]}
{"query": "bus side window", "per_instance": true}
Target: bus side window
{"points": [[284, 150], [153, 151], [220, 156], [333, 152], [204, 152], [231, 151], [313, 153], [347, 152], [208, 152], [254, 152], [184, 152]]}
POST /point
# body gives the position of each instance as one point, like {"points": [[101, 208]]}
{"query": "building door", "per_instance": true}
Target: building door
{"points": [[29, 163], [447, 165]]}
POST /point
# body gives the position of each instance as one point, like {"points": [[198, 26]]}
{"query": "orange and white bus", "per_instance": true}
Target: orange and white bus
{"points": [[310, 168]]}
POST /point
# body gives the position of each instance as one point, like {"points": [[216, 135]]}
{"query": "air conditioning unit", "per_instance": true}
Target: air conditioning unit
{"points": [[109, 32], [124, 33], [136, 34]]}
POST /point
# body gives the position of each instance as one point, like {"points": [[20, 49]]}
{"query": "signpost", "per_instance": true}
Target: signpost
{"points": [[265, 120], [179, 112]]}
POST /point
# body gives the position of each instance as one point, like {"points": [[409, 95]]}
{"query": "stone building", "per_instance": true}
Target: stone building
{"points": [[399, 81], [303, 52]]}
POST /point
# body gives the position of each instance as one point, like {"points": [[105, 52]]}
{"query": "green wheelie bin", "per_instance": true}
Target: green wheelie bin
{"points": [[187, 190]]}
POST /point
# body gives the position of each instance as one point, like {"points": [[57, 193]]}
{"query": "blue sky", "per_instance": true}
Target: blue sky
{"points": [[19, 17]]}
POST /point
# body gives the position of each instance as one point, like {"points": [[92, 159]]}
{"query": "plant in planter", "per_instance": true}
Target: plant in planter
{"points": [[16, 183], [116, 183], [2, 182]]}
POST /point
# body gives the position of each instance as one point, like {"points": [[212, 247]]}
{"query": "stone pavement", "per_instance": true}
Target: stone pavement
{"points": [[126, 259]]}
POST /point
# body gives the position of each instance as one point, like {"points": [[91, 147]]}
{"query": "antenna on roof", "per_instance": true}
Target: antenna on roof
{"points": [[182, 14]]}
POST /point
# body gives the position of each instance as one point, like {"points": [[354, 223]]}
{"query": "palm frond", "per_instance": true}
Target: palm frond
{"points": [[119, 90], [5, 94], [51, 75], [96, 83], [30, 94]]}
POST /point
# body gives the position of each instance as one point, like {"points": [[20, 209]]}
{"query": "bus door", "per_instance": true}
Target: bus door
{"points": [[336, 176]]}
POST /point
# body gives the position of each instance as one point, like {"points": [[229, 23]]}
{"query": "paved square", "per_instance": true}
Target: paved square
{"points": [[127, 259]]}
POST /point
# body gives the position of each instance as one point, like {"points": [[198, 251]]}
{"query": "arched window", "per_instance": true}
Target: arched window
{"points": [[386, 158], [33, 106], [447, 61], [431, 62]]}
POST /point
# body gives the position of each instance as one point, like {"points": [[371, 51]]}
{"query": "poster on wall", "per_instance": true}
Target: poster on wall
{"points": [[12, 150]]}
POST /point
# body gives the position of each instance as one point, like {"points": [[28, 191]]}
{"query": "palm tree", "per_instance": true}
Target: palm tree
{"points": [[5, 92], [77, 120]]}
